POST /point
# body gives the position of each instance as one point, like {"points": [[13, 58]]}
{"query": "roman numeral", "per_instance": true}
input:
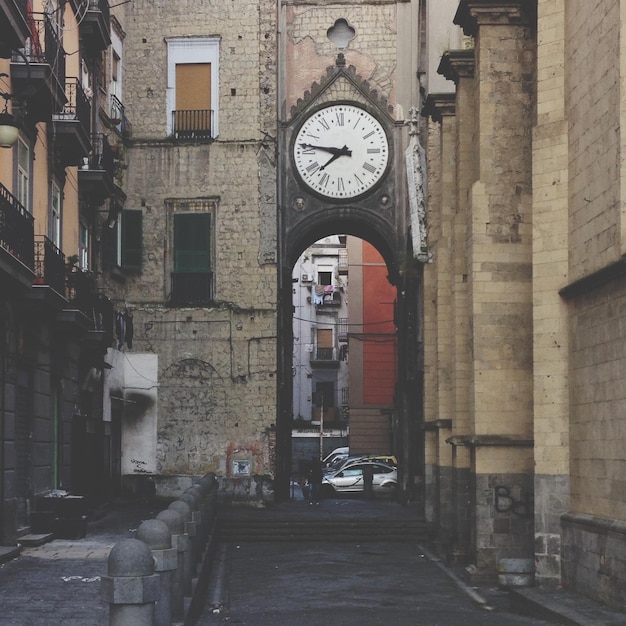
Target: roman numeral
{"points": [[373, 150], [324, 180], [340, 185], [368, 167], [311, 169], [324, 124], [369, 135], [340, 120]]}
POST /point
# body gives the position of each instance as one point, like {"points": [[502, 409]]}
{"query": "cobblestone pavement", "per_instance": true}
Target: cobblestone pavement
{"points": [[283, 584]]}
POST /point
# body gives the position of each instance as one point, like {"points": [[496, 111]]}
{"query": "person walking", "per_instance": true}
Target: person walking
{"points": [[316, 475]]}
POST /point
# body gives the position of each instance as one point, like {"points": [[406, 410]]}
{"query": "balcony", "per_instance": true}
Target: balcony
{"points": [[118, 119], [16, 241], [49, 265], [95, 25], [191, 288], [192, 125], [69, 131], [93, 305], [13, 26], [38, 71], [330, 298], [324, 358], [95, 175]]}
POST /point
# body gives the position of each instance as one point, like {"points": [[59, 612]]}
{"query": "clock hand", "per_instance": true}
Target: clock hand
{"points": [[334, 151], [336, 154]]}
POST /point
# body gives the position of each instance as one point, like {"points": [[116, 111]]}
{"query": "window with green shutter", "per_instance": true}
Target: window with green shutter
{"points": [[192, 242], [132, 238]]}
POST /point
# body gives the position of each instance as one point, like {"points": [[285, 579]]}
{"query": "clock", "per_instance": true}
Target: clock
{"points": [[341, 151]]}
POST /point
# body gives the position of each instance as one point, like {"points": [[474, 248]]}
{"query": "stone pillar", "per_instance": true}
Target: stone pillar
{"points": [[156, 535], [131, 587]]}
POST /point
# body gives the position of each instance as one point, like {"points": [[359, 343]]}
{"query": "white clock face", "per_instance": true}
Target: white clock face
{"points": [[341, 151]]}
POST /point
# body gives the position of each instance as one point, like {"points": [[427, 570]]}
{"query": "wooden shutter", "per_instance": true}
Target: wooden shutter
{"points": [[132, 238], [324, 338], [192, 242], [193, 86]]}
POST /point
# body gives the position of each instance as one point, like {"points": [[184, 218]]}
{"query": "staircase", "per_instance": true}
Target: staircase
{"points": [[319, 527]]}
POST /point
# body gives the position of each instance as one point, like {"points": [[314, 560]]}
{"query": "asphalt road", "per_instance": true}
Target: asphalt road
{"points": [[343, 584]]}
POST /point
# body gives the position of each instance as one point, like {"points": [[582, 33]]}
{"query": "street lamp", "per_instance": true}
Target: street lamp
{"points": [[9, 129]]}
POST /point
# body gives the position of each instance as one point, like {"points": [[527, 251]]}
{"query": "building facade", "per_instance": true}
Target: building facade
{"points": [[523, 301], [58, 177]]}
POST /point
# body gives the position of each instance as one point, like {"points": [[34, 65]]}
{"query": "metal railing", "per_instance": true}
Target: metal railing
{"points": [[17, 228], [101, 157], [49, 264], [324, 354], [78, 106], [193, 124], [118, 117], [191, 289], [82, 292], [102, 6], [43, 46]]}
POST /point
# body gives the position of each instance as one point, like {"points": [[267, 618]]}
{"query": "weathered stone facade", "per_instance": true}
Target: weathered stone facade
{"points": [[523, 305]]}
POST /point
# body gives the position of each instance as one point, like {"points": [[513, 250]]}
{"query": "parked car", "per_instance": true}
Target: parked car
{"points": [[343, 462], [349, 479], [336, 456]]}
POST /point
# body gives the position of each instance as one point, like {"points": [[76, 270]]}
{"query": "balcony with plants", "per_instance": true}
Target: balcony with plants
{"points": [[97, 172], [38, 71]]}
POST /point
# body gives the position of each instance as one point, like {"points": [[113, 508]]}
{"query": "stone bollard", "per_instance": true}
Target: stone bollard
{"points": [[182, 508], [180, 543], [189, 498], [131, 587], [157, 536]]}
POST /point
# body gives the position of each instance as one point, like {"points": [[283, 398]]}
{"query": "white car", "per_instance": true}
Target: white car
{"points": [[350, 479]]}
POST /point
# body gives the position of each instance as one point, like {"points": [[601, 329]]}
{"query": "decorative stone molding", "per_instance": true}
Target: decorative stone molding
{"points": [[474, 13], [457, 64], [439, 105]]}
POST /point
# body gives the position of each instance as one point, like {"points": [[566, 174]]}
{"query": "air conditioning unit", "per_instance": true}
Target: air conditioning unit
{"points": [[305, 278]]}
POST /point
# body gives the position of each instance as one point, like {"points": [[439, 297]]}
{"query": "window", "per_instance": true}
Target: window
{"points": [[131, 240], [192, 276], [54, 215], [192, 87], [23, 175]]}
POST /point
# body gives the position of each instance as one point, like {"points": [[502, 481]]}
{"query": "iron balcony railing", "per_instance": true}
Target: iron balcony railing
{"points": [[324, 354], [191, 288], [102, 6], [82, 293], [49, 264], [101, 157], [342, 329], [43, 46], [192, 124], [118, 117], [77, 106], [17, 228]]}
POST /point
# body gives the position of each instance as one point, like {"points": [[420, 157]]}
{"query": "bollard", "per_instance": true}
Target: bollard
{"points": [[182, 508], [201, 506], [180, 543], [156, 535], [131, 587]]}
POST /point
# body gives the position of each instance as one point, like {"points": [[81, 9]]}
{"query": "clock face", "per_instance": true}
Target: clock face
{"points": [[341, 151]]}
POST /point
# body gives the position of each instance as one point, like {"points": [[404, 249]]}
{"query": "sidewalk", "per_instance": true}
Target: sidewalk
{"points": [[59, 582]]}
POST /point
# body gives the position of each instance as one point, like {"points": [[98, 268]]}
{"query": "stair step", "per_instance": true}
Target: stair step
{"points": [[36, 539], [322, 530]]}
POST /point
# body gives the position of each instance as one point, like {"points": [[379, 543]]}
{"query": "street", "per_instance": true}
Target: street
{"points": [[347, 584]]}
